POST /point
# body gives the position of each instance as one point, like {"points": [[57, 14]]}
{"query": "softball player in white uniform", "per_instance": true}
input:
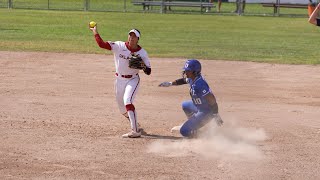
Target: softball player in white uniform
{"points": [[127, 79]]}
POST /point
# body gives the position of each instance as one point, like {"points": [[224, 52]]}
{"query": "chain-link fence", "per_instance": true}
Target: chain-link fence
{"points": [[73, 5], [250, 7]]}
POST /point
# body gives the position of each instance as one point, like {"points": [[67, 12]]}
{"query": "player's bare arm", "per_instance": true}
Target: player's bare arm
{"points": [[177, 82], [214, 108], [212, 102]]}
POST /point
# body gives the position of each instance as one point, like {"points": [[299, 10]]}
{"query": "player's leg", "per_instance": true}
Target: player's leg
{"points": [[243, 5], [195, 122], [119, 88], [237, 6], [189, 108], [128, 98], [219, 5]]}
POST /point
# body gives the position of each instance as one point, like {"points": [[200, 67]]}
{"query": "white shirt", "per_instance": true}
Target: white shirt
{"points": [[122, 56]]}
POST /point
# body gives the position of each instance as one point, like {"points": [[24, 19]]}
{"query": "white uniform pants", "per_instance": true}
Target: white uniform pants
{"points": [[126, 90]]}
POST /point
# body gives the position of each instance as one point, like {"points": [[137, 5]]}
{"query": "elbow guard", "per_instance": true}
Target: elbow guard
{"points": [[181, 81]]}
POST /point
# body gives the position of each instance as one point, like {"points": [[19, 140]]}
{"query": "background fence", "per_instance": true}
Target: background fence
{"points": [[227, 8]]}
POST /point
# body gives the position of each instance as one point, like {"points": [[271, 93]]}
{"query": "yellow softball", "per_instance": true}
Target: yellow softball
{"points": [[92, 24]]}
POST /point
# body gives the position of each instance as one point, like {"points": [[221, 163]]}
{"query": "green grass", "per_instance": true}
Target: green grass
{"points": [[247, 38]]}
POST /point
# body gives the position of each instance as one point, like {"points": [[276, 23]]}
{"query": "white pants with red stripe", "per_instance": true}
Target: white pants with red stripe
{"points": [[126, 90]]}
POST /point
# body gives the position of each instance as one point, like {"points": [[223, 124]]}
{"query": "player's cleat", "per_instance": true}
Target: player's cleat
{"points": [[132, 134], [176, 128]]}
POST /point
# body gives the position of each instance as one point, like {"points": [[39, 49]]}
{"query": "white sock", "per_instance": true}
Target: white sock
{"points": [[133, 120]]}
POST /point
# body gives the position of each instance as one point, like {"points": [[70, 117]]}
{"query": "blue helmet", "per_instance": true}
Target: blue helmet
{"points": [[193, 65]]}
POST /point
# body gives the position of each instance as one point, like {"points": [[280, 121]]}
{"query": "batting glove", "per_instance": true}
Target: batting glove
{"points": [[165, 84]]}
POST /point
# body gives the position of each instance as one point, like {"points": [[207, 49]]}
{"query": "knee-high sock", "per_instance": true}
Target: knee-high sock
{"points": [[132, 116]]}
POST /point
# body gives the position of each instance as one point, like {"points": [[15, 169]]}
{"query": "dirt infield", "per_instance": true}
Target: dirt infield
{"points": [[59, 120]]}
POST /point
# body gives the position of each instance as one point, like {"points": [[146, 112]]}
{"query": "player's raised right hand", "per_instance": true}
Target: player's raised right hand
{"points": [[165, 84], [94, 29]]}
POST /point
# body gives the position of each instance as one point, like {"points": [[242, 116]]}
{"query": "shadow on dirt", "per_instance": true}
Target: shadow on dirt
{"points": [[155, 136]]}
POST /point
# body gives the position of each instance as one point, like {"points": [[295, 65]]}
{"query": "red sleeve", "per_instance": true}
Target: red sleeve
{"points": [[101, 43]]}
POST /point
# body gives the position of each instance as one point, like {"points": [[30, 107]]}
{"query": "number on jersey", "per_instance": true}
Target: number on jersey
{"points": [[197, 100]]}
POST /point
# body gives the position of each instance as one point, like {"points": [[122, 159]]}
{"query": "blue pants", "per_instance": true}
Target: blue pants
{"points": [[196, 119]]}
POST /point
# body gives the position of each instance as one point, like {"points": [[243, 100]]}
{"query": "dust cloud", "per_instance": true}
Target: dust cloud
{"points": [[227, 142]]}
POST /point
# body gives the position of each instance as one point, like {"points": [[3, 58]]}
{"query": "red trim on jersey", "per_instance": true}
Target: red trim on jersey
{"points": [[101, 43], [132, 51]]}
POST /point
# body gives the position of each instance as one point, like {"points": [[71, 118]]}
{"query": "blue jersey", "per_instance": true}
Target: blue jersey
{"points": [[199, 88]]}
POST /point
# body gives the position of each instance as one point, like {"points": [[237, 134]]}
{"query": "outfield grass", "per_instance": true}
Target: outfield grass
{"points": [[248, 38]]}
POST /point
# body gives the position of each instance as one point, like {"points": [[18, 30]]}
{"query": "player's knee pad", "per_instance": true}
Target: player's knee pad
{"points": [[130, 107]]}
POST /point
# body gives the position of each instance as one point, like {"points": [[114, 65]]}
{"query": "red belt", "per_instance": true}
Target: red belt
{"points": [[125, 76]]}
